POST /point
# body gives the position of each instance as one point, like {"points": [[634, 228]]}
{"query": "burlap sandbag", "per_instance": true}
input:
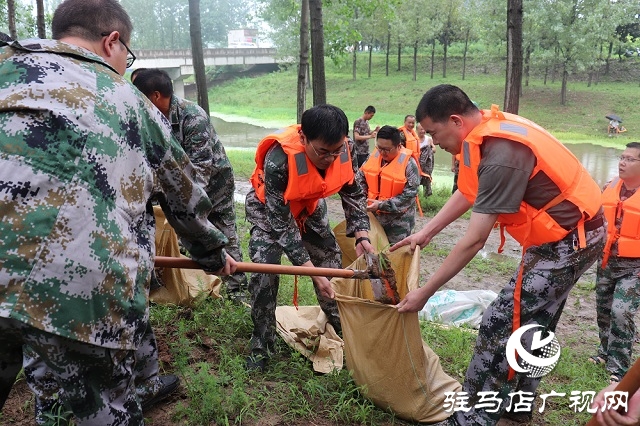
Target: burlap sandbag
{"points": [[307, 330], [378, 238], [179, 286], [384, 349]]}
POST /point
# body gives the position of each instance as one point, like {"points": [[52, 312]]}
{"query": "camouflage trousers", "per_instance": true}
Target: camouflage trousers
{"points": [[96, 383], [324, 252], [397, 226], [48, 394], [427, 159], [617, 300], [223, 217], [550, 272]]}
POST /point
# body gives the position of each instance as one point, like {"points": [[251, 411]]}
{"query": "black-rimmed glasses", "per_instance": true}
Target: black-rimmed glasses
{"points": [[130, 56], [337, 153], [385, 150]]}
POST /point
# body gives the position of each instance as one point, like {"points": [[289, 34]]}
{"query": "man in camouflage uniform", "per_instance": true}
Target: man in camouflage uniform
{"points": [[82, 153], [362, 133], [427, 159], [305, 238], [618, 275], [556, 216], [192, 127], [397, 213]]}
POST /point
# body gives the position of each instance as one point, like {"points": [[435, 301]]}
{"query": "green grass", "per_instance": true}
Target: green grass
{"points": [[272, 98]]}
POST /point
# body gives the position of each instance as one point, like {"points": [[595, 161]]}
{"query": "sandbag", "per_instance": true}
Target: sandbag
{"points": [[384, 349], [308, 331], [179, 286], [378, 238]]}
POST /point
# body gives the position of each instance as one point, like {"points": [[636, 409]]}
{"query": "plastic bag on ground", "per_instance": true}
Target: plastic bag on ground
{"points": [[457, 307]]}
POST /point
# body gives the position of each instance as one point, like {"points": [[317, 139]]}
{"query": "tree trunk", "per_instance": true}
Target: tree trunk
{"points": [[303, 67], [527, 62], [197, 54], [464, 55], [563, 91], [11, 9], [40, 19], [606, 68], [388, 48], [354, 60], [318, 81], [444, 58], [514, 57], [370, 52], [433, 56], [546, 73], [399, 51], [415, 60]]}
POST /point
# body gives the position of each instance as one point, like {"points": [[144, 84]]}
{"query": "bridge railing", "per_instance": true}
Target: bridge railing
{"points": [[207, 53]]}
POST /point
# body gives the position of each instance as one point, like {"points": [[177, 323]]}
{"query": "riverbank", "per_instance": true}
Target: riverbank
{"points": [[270, 100]]}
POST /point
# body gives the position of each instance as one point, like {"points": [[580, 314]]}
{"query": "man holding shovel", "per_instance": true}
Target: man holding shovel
{"points": [[296, 168], [514, 172]]}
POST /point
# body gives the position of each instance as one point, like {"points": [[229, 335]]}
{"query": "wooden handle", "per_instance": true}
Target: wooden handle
{"points": [[265, 268], [629, 383]]}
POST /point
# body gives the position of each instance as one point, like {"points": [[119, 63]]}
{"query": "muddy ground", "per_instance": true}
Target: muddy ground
{"points": [[577, 326]]}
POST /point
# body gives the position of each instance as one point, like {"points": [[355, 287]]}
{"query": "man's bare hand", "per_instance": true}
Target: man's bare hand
{"points": [[229, 268], [324, 286], [419, 239], [414, 301]]}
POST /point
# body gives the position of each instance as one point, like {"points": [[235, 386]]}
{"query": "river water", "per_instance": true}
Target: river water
{"points": [[601, 162]]}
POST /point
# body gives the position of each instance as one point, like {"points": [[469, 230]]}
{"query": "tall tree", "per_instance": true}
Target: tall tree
{"points": [[40, 19], [11, 10], [303, 67], [197, 54], [318, 81], [514, 56]]}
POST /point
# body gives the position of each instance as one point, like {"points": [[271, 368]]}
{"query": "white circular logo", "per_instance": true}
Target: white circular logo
{"points": [[547, 352]]}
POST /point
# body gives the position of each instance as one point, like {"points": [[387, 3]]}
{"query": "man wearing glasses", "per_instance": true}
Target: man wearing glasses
{"points": [[82, 153], [391, 179], [296, 168], [618, 274]]}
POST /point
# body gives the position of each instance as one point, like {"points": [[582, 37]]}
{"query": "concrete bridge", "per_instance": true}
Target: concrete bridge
{"points": [[179, 64]]}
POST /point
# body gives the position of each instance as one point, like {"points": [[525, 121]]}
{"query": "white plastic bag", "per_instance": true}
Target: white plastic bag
{"points": [[457, 307]]}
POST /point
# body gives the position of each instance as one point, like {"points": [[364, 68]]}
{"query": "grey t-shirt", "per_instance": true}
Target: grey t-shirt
{"points": [[503, 183]]}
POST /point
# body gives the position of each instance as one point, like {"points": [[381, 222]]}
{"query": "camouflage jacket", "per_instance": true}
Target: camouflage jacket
{"points": [[361, 127], [402, 207], [81, 151], [274, 216], [192, 127]]}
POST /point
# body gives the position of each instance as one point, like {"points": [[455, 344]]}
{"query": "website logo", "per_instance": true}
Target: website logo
{"points": [[540, 358]]}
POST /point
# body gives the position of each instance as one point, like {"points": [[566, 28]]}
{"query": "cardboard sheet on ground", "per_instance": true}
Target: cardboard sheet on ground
{"points": [[179, 286], [307, 331], [384, 349]]}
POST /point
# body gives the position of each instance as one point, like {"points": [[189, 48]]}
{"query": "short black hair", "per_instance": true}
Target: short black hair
{"points": [[391, 133], [326, 123], [442, 101], [88, 19], [407, 116], [635, 145], [135, 73], [151, 80], [370, 109]]}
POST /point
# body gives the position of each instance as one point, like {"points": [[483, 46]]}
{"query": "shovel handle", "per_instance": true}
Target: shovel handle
{"points": [[265, 268]]}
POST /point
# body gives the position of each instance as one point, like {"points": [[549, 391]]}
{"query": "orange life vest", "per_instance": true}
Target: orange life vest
{"points": [[531, 226], [628, 236], [305, 186], [386, 181], [412, 144]]}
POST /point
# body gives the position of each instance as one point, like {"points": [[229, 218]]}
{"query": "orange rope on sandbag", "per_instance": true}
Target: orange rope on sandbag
{"points": [[295, 291]]}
